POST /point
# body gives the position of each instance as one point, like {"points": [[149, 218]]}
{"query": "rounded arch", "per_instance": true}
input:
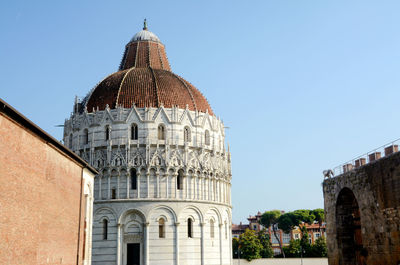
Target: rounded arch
{"points": [[123, 217], [85, 136], [102, 213], [167, 208], [134, 131], [161, 130], [187, 135], [216, 211], [348, 228], [194, 208]]}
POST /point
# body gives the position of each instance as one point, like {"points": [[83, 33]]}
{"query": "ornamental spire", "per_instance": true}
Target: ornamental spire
{"points": [[145, 24]]}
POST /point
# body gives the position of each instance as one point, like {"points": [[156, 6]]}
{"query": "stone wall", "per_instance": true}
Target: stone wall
{"points": [[362, 210]]}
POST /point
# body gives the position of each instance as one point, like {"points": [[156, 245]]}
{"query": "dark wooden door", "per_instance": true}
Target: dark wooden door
{"points": [[133, 255]]}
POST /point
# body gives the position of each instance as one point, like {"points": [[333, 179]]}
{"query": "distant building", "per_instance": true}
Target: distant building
{"points": [[239, 229], [46, 196], [314, 231]]}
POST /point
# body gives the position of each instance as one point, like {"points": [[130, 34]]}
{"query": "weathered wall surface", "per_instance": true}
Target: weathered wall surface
{"points": [[288, 261], [40, 200], [376, 188]]}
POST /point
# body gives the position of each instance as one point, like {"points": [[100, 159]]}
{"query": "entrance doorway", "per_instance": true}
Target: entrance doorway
{"points": [[133, 254], [349, 229]]}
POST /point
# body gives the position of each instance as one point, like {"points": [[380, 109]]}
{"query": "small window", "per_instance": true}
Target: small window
{"points": [[211, 228], [226, 231], [70, 141], [134, 132], [113, 193], [190, 228], [179, 181], [105, 229], [207, 137], [85, 136], [186, 135], [161, 132], [107, 133], [161, 228], [133, 179]]}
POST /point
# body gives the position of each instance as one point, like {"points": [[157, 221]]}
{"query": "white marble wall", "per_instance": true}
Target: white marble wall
{"points": [[176, 247], [133, 214]]}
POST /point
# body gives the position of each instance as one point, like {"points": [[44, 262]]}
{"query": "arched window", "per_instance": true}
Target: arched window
{"points": [[190, 227], [85, 136], [161, 132], [133, 179], [179, 181], [207, 137], [161, 228], [113, 193], [211, 228], [134, 132], [70, 141], [186, 135], [107, 133], [105, 229]]}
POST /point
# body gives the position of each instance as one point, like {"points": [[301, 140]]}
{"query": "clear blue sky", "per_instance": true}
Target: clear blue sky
{"points": [[303, 85]]}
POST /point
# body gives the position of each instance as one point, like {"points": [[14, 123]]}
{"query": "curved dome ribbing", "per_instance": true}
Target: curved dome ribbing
{"points": [[145, 80]]}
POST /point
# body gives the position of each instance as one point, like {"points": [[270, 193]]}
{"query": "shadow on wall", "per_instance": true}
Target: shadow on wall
{"points": [[287, 261]]}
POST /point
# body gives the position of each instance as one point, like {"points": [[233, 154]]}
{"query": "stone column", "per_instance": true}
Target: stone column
{"points": [[230, 242], [127, 185], [176, 184], [187, 185], [146, 243], [138, 184], [100, 180], [177, 243], [118, 184], [220, 243], [167, 180], [119, 243], [109, 186], [158, 184], [202, 224], [148, 184], [209, 188], [194, 178]]}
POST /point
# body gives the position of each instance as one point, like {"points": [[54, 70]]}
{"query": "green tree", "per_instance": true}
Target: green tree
{"points": [[270, 219], [319, 217], [250, 245], [265, 241], [319, 249], [305, 241], [235, 247], [294, 248]]}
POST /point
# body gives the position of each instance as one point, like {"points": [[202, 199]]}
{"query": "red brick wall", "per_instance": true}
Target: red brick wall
{"points": [[39, 200]]}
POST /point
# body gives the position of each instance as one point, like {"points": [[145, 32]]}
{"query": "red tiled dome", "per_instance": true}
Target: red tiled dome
{"points": [[145, 80]]}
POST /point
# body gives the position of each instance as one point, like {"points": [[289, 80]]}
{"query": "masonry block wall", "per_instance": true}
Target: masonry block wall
{"points": [[42, 211], [362, 210]]}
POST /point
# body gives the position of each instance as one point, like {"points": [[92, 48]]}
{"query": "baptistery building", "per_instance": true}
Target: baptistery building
{"points": [[162, 195]]}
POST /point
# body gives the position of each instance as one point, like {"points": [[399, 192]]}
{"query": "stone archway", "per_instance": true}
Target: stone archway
{"points": [[348, 229]]}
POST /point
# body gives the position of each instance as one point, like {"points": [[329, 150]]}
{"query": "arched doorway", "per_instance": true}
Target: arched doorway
{"points": [[132, 238], [348, 229]]}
